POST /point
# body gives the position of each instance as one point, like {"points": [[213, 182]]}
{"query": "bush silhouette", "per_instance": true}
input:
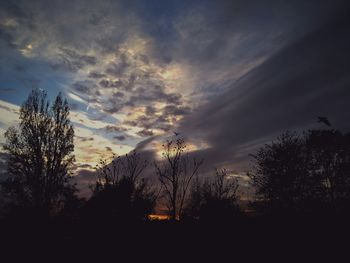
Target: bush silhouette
{"points": [[120, 194], [214, 200]]}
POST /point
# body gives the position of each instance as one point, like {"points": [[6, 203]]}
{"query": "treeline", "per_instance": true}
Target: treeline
{"points": [[298, 174], [303, 174]]}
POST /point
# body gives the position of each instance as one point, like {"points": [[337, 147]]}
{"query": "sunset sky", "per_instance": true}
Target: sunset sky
{"points": [[228, 75]]}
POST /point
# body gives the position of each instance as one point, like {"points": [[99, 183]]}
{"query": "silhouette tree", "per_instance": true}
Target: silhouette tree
{"points": [[303, 174], [215, 199], [279, 171], [195, 200], [40, 155], [120, 192], [175, 174], [329, 166]]}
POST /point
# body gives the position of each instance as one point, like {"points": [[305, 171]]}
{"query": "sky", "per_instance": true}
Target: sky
{"points": [[230, 76]]}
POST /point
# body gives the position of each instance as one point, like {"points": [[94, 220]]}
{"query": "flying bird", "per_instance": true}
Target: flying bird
{"points": [[176, 133], [324, 120]]}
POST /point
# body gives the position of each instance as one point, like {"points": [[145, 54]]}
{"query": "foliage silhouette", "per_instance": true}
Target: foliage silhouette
{"points": [[214, 199], [120, 193], [303, 174], [40, 156]]}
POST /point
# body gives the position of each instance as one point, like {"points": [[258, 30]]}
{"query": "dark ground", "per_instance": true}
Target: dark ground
{"points": [[297, 239]]}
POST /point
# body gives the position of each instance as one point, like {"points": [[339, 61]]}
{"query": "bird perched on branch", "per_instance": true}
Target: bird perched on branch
{"points": [[176, 133], [324, 120]]}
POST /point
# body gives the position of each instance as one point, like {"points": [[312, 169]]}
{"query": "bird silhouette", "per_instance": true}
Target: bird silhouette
{"points": [[176, 133], [324, 120]]}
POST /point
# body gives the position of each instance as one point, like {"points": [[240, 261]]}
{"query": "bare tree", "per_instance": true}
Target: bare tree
{"points": [[107, 174], [130, 166], [134, 165], [175, 174], [223, 187]]}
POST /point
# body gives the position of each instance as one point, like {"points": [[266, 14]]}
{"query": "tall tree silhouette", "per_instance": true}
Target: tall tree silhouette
{"points": [[175, 174], [40, 154]]}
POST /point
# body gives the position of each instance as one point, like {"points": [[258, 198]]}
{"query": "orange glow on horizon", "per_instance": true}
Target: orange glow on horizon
{"points": [[158, 217]]}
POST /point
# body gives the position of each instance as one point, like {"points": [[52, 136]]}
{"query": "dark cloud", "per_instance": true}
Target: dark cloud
{"points": [[95, 19], [144, 121], [118, 94], [21, 15], [145, 133], [113, 109], [7, 89], [7, 38], [109, 149], [86, 139], [307, 79], [119, 68], [82, 88], [112, 129], [104, 83], [20, 67], [150, 110], [175, 110], [76, 56], [10, 9], [96, 75], [144, 95], [120, 137], [71, 60], [131, 123], [85, 166]]}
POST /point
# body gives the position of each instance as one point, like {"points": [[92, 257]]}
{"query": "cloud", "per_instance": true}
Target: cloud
{"points": [[85, 119], [84, 139], [109, 149], [145, 133], [72, 61], [309, 78], [120, 137], [9, 117], [91, 146], [96, 75], [84, 178], [114, 129], [116, 60]]}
